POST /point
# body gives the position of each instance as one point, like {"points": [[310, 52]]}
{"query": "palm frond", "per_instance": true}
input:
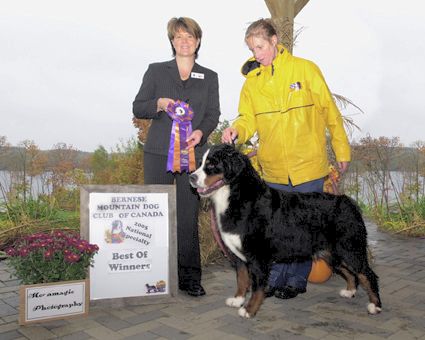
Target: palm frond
{"points": [[343, 102]]}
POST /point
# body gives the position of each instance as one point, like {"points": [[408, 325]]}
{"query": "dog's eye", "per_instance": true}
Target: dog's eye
{"points": [[210, 166]]}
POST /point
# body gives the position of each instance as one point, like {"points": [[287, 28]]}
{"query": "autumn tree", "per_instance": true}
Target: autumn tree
{"points": [[100, 164], [27, 167], [377, 155], [417, 158], [123, 165], [62, 165], [352, 179], [4, 149], [127, 160]]}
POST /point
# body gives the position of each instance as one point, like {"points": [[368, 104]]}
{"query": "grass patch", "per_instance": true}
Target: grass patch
{"points": [[407, 219]]}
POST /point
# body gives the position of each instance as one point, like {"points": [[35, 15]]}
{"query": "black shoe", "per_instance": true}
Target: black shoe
{"points": [[269, 291], [192, 288], [288, 292]]}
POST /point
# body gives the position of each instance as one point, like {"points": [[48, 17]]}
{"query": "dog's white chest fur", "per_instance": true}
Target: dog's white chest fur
{"points": [[232, 241]]}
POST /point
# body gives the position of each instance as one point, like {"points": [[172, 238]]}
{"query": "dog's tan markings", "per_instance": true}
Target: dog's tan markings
{"points": [[243, 281], [210, 180], [349, 278], [373, 298], [255, 302]]}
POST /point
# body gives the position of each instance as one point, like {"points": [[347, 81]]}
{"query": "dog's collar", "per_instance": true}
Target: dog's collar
{"points": [[215, 186]]}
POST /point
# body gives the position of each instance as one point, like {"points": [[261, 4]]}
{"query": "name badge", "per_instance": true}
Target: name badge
{"points": [[197, 75]]}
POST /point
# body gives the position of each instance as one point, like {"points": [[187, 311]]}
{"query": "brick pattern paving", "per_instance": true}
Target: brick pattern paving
{"points": [[318, 314]]}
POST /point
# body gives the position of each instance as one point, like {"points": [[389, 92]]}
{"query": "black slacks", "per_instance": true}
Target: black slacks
{"points": [[189, 259]]}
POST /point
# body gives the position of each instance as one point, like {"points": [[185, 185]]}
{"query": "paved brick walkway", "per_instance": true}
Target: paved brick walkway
{"points": [[318, 314]]}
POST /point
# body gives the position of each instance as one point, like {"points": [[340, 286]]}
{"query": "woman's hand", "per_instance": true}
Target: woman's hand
{"points": [[162, 104], [229, 135], [194, 138], [343, 166]]}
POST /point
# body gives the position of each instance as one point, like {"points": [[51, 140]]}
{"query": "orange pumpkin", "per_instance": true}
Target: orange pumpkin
{"points": [[320, 272]]}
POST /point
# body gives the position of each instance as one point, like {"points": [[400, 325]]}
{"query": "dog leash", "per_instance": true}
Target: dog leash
{"points": [[216, 233], [213, 224], [334, 187], [334, 177]]}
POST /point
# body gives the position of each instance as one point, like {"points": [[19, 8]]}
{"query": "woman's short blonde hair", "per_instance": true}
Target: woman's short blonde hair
{"points": [[186, 24], [263, 28]]}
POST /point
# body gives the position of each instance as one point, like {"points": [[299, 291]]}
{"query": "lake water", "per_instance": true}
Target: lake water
{"points": [[40, 184], [396, 184]]}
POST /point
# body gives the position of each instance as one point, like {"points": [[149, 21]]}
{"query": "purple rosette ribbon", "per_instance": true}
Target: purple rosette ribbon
{"points": [[180, 157]]}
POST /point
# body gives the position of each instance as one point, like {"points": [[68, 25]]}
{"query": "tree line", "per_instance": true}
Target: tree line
{"points": [[61, 171]]}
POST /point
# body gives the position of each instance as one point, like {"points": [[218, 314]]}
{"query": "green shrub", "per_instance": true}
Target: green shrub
{"points": [[19, 210]]}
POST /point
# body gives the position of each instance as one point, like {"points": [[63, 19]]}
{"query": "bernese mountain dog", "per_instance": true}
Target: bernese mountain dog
{"points": [[261, 225]]}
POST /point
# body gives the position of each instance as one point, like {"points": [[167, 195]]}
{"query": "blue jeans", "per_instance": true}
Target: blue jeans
{"points": [[293, 274]]}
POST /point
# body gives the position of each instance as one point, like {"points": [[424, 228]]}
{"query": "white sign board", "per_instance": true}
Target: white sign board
{"points": [[57, 300], [132, 230]]}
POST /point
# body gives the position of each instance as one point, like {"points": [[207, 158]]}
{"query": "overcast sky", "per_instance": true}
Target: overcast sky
{"points": [[69, 70]]}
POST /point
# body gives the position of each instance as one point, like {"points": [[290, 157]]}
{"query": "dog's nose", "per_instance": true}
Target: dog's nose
{"points": [[193, 179]]}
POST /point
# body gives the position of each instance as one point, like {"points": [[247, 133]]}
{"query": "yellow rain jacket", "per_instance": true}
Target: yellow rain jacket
{"points": [[290, 107]]}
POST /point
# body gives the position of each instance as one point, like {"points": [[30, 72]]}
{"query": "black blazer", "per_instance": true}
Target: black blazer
{"points": [[162, 80]]}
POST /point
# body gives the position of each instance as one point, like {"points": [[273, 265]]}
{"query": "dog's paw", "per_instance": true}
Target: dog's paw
{"points": [[346, 293], [373, 309], [236, 301], [243, 313]]}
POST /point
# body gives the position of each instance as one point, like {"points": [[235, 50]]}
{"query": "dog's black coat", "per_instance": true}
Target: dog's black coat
{"points": [[275, 226]]}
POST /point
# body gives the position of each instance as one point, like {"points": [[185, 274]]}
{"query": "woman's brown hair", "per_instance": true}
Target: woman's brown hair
{"points": [[186, 24]]}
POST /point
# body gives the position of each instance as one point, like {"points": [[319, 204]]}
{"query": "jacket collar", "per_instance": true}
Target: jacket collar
{"points": [[173, 70], [253, 68]]}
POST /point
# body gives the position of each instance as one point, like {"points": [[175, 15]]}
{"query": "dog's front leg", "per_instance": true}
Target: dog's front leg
{"points": [[259, 280], [243, 283]]}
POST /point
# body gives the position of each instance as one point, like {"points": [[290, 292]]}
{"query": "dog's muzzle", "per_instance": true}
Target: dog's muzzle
{"points": [[193, 179], [204, 190]]}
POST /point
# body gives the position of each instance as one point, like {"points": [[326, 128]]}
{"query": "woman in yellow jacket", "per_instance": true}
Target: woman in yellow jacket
{"points": [[286, 101]]}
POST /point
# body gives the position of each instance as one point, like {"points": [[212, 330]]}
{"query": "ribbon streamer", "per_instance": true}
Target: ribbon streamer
{"points": [[180, 157]]}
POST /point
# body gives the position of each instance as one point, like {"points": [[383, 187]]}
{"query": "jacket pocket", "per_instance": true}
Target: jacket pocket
{"points": [[298, 99]]}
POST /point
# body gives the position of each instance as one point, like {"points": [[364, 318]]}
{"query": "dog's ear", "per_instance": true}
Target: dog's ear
{"points": [[234, 163]]}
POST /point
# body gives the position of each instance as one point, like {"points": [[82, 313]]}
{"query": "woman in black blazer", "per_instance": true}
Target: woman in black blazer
{"points": [[163, 84]]}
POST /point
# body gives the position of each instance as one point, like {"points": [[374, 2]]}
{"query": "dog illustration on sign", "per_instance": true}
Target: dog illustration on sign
{"points": [[159, 287], [116, 234]]}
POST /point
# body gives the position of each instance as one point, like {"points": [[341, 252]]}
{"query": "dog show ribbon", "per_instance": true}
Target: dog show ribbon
{"points": [[180, 157]]}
